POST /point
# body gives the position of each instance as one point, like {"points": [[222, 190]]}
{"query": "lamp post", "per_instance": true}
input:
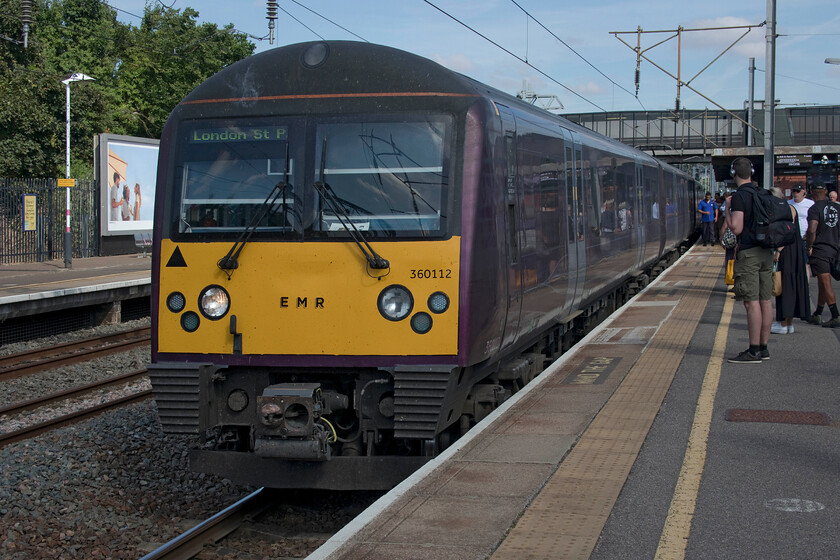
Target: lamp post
{"points": [[68, 241]]}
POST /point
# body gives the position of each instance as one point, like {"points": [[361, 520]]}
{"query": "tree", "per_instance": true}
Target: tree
{"points": [[169, 56], [141, 74]]}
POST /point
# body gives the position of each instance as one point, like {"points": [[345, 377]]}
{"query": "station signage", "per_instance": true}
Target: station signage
{"points": [[30, 212]]}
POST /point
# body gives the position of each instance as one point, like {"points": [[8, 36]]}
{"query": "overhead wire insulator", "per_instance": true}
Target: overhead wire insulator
{"points": [[638, 74], [25, 19], [25, 11], [271, 16]]}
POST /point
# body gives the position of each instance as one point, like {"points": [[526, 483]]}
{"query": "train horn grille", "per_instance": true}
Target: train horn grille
{"points": [[419, 395]]}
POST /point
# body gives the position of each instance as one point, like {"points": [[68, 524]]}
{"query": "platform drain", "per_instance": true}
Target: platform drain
{"points": [[777, 416]]}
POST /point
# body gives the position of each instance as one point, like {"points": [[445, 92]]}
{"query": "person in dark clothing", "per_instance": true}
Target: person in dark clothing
{"points": [[753, 267], [795, 300], [823, 240]]}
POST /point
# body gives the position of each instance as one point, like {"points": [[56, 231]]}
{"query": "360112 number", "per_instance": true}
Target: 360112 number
{"points": [[426, 273]]}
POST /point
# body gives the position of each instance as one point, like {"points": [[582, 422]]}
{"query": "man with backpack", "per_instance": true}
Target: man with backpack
{"points": [[753, 264], [822, 241]]}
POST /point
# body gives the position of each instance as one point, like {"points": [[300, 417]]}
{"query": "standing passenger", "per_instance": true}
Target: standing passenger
{"points": [[708, 214], [823, 240], [753, 267], [795, 299]]}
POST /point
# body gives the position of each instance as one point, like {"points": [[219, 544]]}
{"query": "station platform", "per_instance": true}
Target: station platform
{"points": [[34, 288], [640, 442]]}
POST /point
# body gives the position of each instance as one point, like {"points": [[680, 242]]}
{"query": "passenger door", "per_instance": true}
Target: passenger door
{"points": [[512, 221], [573, 159]]}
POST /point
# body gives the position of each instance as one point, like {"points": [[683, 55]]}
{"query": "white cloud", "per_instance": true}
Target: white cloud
{"points": [[457, 62]]}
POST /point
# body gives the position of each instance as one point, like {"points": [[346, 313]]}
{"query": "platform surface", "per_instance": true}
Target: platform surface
{"points": [[33, 288], [641, 442]]}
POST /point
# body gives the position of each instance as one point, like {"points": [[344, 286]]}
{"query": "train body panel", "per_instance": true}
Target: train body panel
{"points": [[360, 253], [310, 299]]}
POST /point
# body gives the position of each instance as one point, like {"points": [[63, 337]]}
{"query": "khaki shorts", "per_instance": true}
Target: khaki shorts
{"points": [[754, 274]]}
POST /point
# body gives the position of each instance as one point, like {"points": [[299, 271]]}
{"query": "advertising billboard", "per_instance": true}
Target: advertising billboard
{"points": [[127, 173]]}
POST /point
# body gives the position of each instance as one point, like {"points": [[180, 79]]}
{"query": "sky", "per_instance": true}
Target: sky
{"points": [[570, 48]]}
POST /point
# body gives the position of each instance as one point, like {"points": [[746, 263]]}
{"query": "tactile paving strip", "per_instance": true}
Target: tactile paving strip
{"points": [[567, 517]]}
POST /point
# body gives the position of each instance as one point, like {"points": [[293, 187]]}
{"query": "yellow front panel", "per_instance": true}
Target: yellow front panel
{"points": [[311, 298]]}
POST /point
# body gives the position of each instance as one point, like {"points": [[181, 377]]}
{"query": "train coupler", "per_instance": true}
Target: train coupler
{"points": [[286, 424]]}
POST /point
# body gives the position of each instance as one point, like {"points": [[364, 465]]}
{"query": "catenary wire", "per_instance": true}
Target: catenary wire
{"points": [[517, 57], [329, 20], [538, 22]]}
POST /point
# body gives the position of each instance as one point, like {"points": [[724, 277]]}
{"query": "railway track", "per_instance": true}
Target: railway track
{"points": [[71, 417], [268, 523], [211, 531], [16, 365]]}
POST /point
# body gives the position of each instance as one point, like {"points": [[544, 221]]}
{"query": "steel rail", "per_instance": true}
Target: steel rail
{"points": [[35, 429], [23, 363], [212, 530], [17, 408]]}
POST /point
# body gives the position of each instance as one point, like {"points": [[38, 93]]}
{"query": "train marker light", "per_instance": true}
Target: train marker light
{"points": [[395, 302], [175, 302], [214, 302], [421, 323], [438, 302], [190, 321]]}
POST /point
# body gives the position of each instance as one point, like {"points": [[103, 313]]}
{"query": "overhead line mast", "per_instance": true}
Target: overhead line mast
{"points": [[677, 33]]}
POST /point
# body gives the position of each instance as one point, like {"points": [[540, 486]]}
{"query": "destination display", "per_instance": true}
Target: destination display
{"points": [[239, 134], [793, 160]]}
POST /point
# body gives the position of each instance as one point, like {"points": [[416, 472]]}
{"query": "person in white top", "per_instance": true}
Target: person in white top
{"points": [[801, 204]]}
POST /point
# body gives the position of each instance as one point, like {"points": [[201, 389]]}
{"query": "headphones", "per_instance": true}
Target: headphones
{"points": [[732, 167]]}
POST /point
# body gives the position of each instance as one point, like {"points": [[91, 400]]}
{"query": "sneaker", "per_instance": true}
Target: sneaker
{"points": [[764, 354], [790, 329], [745, 357], [833, 323], [778, 328], [815, 319]]}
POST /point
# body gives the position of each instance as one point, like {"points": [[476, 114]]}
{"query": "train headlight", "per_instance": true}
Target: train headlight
{"points": [[237, 400], [214, 302], [175, 302], [421, 323], [395, 302], [438, 302]]}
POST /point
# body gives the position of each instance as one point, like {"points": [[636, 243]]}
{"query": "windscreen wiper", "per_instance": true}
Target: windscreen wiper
{"points": [[373, 259], [230, 261]]}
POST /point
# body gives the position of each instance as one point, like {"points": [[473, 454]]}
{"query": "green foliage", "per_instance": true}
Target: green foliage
{"points": [[141, 73]]}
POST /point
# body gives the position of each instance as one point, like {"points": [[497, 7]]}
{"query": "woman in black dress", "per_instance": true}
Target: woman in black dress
{"points": [[795, 300]]}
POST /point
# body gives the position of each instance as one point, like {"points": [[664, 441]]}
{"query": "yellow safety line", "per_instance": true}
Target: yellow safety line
{"points": [[674, 539]]}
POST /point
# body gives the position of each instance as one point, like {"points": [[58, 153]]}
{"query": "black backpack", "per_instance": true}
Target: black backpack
{"points": [[772, 221]]}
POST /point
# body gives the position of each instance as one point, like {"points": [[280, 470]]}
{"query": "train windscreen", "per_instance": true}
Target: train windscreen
{"points": [[307, 178], [390, 178]]}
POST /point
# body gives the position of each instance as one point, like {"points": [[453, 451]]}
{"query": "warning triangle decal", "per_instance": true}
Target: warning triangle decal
{"points": [[177, 259]]}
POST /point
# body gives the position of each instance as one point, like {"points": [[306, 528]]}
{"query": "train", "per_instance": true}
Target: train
{"points": [[359, 254]]}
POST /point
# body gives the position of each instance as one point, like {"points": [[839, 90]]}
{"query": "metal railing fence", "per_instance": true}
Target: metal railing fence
{"points": [[35, 232]]}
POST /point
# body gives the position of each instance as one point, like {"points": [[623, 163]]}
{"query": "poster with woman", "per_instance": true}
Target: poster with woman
{"points": [[127, 174]]}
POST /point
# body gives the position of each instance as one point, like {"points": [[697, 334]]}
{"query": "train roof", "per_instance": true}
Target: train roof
{"points": [[349, 68]]}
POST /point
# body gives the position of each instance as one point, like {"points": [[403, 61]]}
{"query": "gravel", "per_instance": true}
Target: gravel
{"points": [[113, 486]]}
